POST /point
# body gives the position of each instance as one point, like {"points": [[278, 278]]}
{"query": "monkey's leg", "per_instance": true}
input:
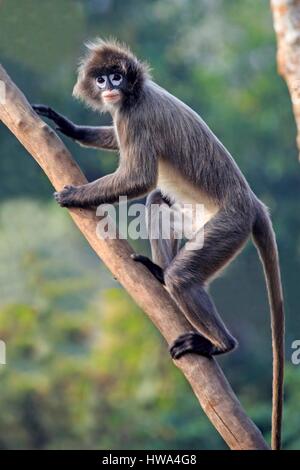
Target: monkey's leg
{"points": [[186, 279], [163, 249]]}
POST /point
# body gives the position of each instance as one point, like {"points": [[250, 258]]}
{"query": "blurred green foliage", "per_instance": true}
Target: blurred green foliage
{"points": [[85, 368]]}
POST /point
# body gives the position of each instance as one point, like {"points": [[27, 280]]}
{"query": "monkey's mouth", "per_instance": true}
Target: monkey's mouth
{"points": [[111, 96]]}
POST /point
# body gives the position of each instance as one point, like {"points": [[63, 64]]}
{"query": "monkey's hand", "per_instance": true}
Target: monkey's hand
{"points": [[78, 196], [63, 124], [68, 197]]}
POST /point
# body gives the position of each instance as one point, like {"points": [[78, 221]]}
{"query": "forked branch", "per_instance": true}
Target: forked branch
{"points": [[204, 375]]}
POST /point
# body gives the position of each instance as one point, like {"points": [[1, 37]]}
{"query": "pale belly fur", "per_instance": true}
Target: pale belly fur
{"points": [[187, 199]]}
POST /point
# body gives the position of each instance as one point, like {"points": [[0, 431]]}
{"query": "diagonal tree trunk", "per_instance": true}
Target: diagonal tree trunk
{"points": [[286, 16], [204, 375]]}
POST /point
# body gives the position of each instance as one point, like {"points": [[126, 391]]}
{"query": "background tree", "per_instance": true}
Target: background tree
{"points": [[286, 14]]}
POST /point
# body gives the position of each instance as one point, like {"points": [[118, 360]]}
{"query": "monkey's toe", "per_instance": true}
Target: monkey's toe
{"points": [[58, 198], [192, 342], [65, 198], [156, 270]]}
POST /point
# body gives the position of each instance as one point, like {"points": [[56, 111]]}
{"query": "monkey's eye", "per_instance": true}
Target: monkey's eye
{"points": [[101, 81], [116, 79]]}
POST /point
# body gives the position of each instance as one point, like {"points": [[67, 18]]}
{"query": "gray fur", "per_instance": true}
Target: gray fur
{"points": [[152, 127]]}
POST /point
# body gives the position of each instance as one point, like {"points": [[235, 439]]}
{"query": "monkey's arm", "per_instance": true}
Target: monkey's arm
{"points": [[98, 137], [134, 178]]}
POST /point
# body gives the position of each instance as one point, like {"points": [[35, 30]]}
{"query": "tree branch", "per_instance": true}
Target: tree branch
{"points": [[286, 16], [204, 375]]}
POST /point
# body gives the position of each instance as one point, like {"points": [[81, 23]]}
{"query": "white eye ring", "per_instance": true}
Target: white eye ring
{"points": [[115, 81], [101, 81]]}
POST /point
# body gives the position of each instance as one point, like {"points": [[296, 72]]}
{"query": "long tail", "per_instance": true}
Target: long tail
{"points": [[265, 241]]}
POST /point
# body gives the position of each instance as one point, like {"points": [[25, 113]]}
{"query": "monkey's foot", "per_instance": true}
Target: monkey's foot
{"points": [[153, 268], [192, 343], [66, 197]]}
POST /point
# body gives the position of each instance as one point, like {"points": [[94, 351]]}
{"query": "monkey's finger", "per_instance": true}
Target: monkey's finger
{"points": [[38, 107], [64, 126], [58, 196], [49, 113], [185, 338], [67, 197], [177, 345], [192, 342], [138, 258], [187, 348], [179, 352], [42, 110]]}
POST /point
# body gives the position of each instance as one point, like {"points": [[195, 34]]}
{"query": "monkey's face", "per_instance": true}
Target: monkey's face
{"points": [[110, 76], [102, 88], [112, 85]]}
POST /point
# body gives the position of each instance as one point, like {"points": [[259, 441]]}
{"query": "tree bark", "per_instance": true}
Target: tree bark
{"points": [[286, 16], [204, 375]]}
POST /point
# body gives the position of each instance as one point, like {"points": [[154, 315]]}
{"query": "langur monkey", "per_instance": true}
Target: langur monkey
{"points": [[168, 153]]}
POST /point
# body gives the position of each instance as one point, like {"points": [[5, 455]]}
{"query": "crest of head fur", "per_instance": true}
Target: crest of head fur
{"points": [[101, 57]]}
